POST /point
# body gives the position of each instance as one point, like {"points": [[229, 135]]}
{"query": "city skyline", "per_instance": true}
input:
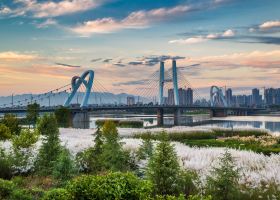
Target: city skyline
{"points": [[229, 43]]}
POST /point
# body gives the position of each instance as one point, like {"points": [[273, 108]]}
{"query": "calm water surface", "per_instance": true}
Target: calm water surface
{"points": [[271, 123]]}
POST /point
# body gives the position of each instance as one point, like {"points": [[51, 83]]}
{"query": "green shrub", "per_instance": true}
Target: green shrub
{"points": [[63, 117], [90, 159], [57, 194], [25, 139], [164, 170], [113, 157], [262, 192], [122, 123], [12, 123], [50, 148], [197, 135], [5, 132], [187, 179], [110, 186], [146, 149], [64, 167], [199, 197], [20, 194], [6, 162], [23, 146], [32, 113], [6, 188], [170, 197], [223, 182]]}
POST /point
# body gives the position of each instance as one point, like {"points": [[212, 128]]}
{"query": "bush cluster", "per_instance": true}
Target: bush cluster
{"points": [[122, 123]]}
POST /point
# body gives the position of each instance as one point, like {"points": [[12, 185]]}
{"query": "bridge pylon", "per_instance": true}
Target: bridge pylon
{"points": [[174, 80], [76, 83]]}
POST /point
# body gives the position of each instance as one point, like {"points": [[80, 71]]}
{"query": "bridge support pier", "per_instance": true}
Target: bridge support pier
{"points": [[177, 116], [218, 113], [160, 117], [80, 120]]}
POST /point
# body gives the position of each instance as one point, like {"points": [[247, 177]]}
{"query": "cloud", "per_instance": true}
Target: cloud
{"points": [[255, 59], [67, 65], [47, 23], [135, 20], [16, 56], [53, 8], [96, 59], [138, 82], [270, 25], [140, 19], [192, 40], [107, 60], [198, 39], [119, 64], [154, 59], [5, 11], [135, 63]]}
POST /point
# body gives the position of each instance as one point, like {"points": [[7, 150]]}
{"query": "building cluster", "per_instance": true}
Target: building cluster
{"points": [[255, 99], [185, 97]]}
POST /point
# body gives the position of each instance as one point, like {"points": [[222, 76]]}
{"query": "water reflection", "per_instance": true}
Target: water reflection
{"points": [[261, 122]]}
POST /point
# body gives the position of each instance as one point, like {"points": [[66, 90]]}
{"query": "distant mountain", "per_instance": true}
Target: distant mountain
{"points": [[59, 99]]}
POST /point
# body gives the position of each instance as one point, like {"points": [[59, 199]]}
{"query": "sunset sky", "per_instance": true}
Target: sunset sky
{"points": [[233, 43]]}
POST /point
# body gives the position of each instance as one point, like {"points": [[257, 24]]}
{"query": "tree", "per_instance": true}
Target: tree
{"points": [[146, 149], [223, 184], [113, 157], [23, 150], [164, 170], [50, 148], [115, 185], [5, 132], [63, 117], [64, 167], [12, 123], [32, 113], [90, 160]]}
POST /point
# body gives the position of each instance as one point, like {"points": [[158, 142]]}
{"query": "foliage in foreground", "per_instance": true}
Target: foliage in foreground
{"points": [[164, 170], [50, 148], [223, 182], [63, 117], [110, 186], [12, 123]]}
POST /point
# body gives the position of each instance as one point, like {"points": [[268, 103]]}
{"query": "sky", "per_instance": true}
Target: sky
{"points": [[232, 43]]}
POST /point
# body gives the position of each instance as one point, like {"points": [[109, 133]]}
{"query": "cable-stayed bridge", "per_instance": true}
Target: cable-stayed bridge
{"points": [[86, 94]]}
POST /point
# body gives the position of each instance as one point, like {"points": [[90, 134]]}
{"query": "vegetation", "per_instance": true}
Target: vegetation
{"points": [[51, 148], [113, 157], [107, 171], [12, 123], [90, 160], [110, 186], [122, 123], [163, 169], [223, 182], [63, 117], [257, 141], [32, 113], [5, 132]]}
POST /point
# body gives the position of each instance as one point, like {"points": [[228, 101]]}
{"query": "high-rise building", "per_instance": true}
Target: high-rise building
{"points": [[269, 95], [130, 100], [185, 97], [229, 96], [189, 97], [170, 97], [256, 97], [182, 96]]}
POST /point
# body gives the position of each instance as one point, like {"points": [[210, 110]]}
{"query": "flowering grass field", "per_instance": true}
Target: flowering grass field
{"points": [[255, 168]]}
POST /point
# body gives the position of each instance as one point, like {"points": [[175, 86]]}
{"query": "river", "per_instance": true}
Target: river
{"points": [[270, 123]]}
